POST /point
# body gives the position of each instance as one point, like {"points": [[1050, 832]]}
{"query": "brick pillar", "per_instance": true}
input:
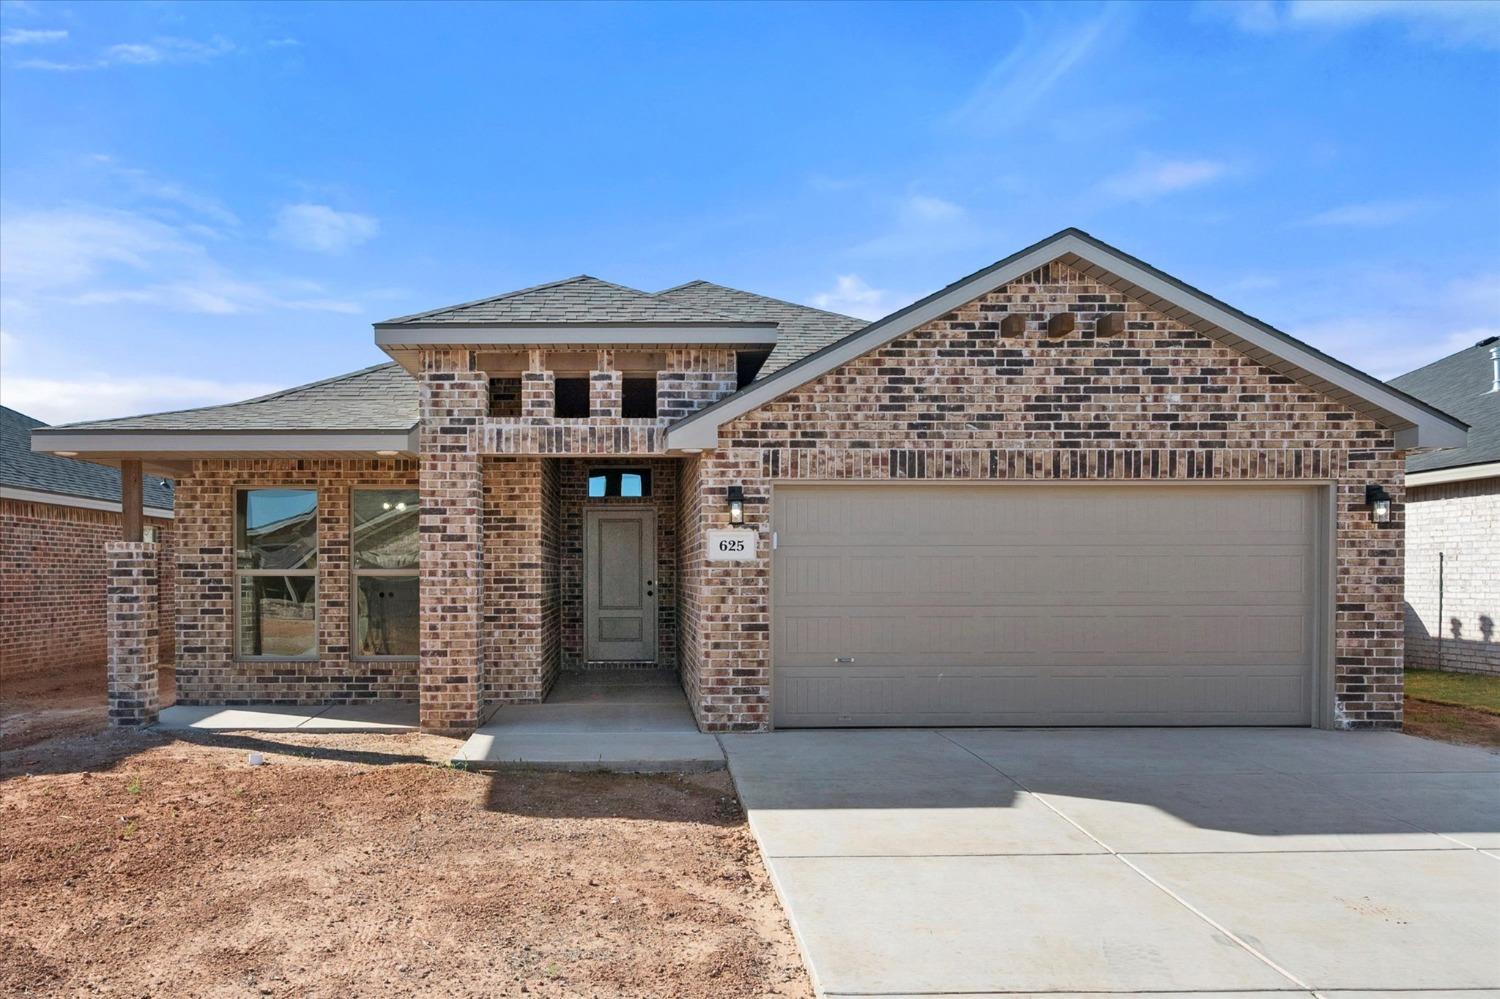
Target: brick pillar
{"points": [[605, 393], [130, 609], [538, 389], [454, 401]]}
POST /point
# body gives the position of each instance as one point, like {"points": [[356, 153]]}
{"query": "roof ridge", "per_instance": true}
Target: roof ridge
{"points": [[279, 393], [772, 298]]}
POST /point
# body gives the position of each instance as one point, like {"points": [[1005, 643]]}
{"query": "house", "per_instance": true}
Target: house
{"points": [[56, 514], [1067, 489], [1453, 519]]}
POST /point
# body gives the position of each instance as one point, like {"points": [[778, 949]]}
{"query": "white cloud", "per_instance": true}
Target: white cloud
{"points": [[143, 184], [321, 229], [108, 257], [852, 296], [159, 51], [1154, 178], [1444, 22], [99, 395], [921, 224], [1016, 86], [1368, 214], [32, 36]]}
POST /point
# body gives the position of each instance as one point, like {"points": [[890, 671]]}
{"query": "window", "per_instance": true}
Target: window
{"points": [[571, 398], [276, 573], [385, 551], [624, 482], [638, 397]]}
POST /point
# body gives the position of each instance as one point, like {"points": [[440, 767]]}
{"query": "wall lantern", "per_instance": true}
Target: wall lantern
{"points": [[1379, 502], [736, 496]]}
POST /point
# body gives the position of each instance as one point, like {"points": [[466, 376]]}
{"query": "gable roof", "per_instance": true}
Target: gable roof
{"points": [[1460, 384], [1415, 423], [576, 300], [800, 329], [23, 469]]}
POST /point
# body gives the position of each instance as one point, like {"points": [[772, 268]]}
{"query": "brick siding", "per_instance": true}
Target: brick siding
{"points": [[956, 399], [521, 560], [52, 582], [1462, 521], [207, 669]]}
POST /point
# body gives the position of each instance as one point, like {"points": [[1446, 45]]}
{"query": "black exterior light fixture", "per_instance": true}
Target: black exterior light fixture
{"points": [[736, 496], [1379, 502]]}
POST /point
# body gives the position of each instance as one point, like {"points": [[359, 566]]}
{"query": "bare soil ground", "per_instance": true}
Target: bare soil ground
{"points": [[137, 864], [1451, 723], [34, 708]]}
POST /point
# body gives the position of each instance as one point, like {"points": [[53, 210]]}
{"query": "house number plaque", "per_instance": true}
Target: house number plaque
{"points": [[731, 546]]}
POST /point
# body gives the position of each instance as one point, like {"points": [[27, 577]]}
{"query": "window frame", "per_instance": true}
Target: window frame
{"points": [[648, 484], [355, 573], [313, 573]]}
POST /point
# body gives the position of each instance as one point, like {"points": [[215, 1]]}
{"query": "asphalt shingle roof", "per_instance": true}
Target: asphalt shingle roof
{"points": [[382, 398], [581, 299], [1459, 385], [800, 329], [23, 468]]}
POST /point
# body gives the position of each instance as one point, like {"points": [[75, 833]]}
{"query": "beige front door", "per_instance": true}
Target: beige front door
{"points": [[620, 585], [1046, 604]]}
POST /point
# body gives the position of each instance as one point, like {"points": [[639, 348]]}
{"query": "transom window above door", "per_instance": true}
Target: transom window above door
{"points": [[624, 482]]}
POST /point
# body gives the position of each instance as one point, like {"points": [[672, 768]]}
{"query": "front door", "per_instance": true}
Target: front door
{"points": [[620, 585]]}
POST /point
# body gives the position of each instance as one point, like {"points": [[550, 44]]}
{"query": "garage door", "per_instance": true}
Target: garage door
{"points": [[1044, 605]]}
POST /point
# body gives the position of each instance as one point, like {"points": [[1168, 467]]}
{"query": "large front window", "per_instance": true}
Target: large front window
{"points": [[276, 573], [386, 548]]}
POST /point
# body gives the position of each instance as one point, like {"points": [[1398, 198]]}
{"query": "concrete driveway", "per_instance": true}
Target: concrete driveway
{"points": [[974, 862]]}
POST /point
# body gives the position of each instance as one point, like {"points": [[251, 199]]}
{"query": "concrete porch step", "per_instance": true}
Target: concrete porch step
{"points": [[630, 721], [379, 716]]}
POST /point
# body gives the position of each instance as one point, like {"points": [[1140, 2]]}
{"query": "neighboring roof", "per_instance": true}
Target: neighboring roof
{"points": [[577, 300], [1416, 424], [800, 330], [1459, 384], [378, 399], [22, 468]]}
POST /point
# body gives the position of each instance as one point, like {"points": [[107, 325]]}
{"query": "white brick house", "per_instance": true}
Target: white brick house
{"points": [[1453, 519], [1066, 489]]}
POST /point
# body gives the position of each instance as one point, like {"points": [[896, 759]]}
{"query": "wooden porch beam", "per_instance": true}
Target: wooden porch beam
{"points": [[132, 501]]}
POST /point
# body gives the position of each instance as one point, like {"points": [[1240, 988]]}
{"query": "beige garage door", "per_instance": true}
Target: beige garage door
{"points": [[1045, 605]]}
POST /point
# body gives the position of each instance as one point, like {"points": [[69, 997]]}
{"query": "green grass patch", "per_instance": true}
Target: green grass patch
{"points": [[1463, 690]]}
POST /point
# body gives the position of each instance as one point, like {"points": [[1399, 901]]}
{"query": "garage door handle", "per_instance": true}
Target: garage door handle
{"points": [[843, 659]]}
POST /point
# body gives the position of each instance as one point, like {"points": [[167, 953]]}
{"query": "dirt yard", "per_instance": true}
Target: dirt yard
{"points": [[140, 865]]}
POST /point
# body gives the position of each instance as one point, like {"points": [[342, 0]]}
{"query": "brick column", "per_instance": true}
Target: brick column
{"points": [[454, 401], [130, 608], [538, 389], [606, 388]]}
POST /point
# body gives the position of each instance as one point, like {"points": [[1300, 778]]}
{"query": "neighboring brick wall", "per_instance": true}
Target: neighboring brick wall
{"points": [[52, 582], [131, 612], [207, 671], [955, 399], [1462, 521], [575, 500]]}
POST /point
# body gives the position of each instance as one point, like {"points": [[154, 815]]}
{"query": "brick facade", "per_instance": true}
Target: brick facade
{"points": [[503, 497], [207, 669], [52, 586], [1460, 520], [956, 399]]}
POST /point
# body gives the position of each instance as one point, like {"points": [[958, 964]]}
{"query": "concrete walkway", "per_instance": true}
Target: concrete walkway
{"points": [[988, 862], [378, 716], [623, 720]]}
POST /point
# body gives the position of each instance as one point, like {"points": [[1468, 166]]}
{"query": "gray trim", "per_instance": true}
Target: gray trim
{"points": [[1433, 476], [80, 502], [1417, 424], [506, 335]]}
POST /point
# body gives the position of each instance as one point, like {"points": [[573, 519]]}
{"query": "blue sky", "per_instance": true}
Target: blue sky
{"points": [[203, 202]]}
